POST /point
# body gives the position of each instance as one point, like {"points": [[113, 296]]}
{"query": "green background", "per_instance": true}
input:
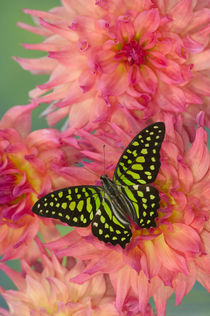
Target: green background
{"points": [[14, 86]]}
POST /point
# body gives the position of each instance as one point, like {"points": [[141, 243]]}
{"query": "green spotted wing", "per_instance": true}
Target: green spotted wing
{"points": [[108, 228], [75, 205], [140, 161], [145, 203]]}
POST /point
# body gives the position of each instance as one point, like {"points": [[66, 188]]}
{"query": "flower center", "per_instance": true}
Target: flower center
{"points": [[132, 52]]}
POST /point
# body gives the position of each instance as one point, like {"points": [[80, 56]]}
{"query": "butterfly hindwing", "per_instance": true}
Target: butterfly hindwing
{"points": [[75, 206], [140, 161], [145, 201], [108, 228]]}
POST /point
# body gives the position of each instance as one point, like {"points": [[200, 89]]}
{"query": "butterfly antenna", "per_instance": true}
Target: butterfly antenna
{"points": [[89, 170], [104, 158]]}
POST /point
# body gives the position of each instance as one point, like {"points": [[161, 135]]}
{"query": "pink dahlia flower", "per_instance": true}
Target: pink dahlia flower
{"points": [[30, 164], [46, 289], [103, 56], [161, 260]]}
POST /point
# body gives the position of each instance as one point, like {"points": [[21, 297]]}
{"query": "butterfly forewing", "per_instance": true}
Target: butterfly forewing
{"points": [[108, 228], [145, 200], [140, 161], [75, 206]]}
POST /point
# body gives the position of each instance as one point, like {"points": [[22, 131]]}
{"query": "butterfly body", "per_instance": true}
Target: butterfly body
{"points": [[120, 206], [127, 197]]}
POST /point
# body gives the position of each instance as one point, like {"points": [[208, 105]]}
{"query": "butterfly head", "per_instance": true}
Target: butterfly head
{"points": [[104, 177], [105, 180]]}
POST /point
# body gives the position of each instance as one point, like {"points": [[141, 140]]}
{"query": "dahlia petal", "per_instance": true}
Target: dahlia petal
{"points": [[103, 62], [143, 294], [46, 47], [140, 5], [161, 4], [34, 29], [164, 46], [59, 77], [182, 284], [65, 241], [101, 265], [62, 247], [202, 36], [171, 74], [73, 95], [35, 93], [204, 278], [4, 312], [79, 7], [65, 33], [133, 259], [200, 84], [42, 14], [147, 21], [147, 79], [21, 187], [18, 117], [199, 18], [129, 102], [170, 259], [54, 117], [37, 66], [59, 93], [191, 45], [56, 286], [36, 292], [80, 114], [161, 296], [14, 275], [130, 120], [197, 156], [201, 190], [84, 25], [184, 174], [152, 261], [96, 142], [30, 233], [191, 96], [201, 61], [44, 139], [122, 287], [132, 74], [114, 83], [181, 15], [125, 31], [157, 59], [97, 288], [148, 41], [171, 97], [183, 238], [86, 80], [65, 58]]}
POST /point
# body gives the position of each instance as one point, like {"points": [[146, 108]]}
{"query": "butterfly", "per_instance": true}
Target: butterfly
{"points": [[128, 196]]}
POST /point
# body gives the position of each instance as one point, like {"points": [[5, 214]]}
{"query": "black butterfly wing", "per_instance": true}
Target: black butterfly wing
{"points": [[75, 205], [140, 161], [109, 229], [144, 201]]}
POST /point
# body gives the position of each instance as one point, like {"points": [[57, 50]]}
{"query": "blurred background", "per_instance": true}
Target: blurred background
{"points": [[14, 86]]}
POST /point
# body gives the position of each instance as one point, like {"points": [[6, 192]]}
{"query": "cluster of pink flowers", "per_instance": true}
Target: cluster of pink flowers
{"points": [[115, 66]]}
